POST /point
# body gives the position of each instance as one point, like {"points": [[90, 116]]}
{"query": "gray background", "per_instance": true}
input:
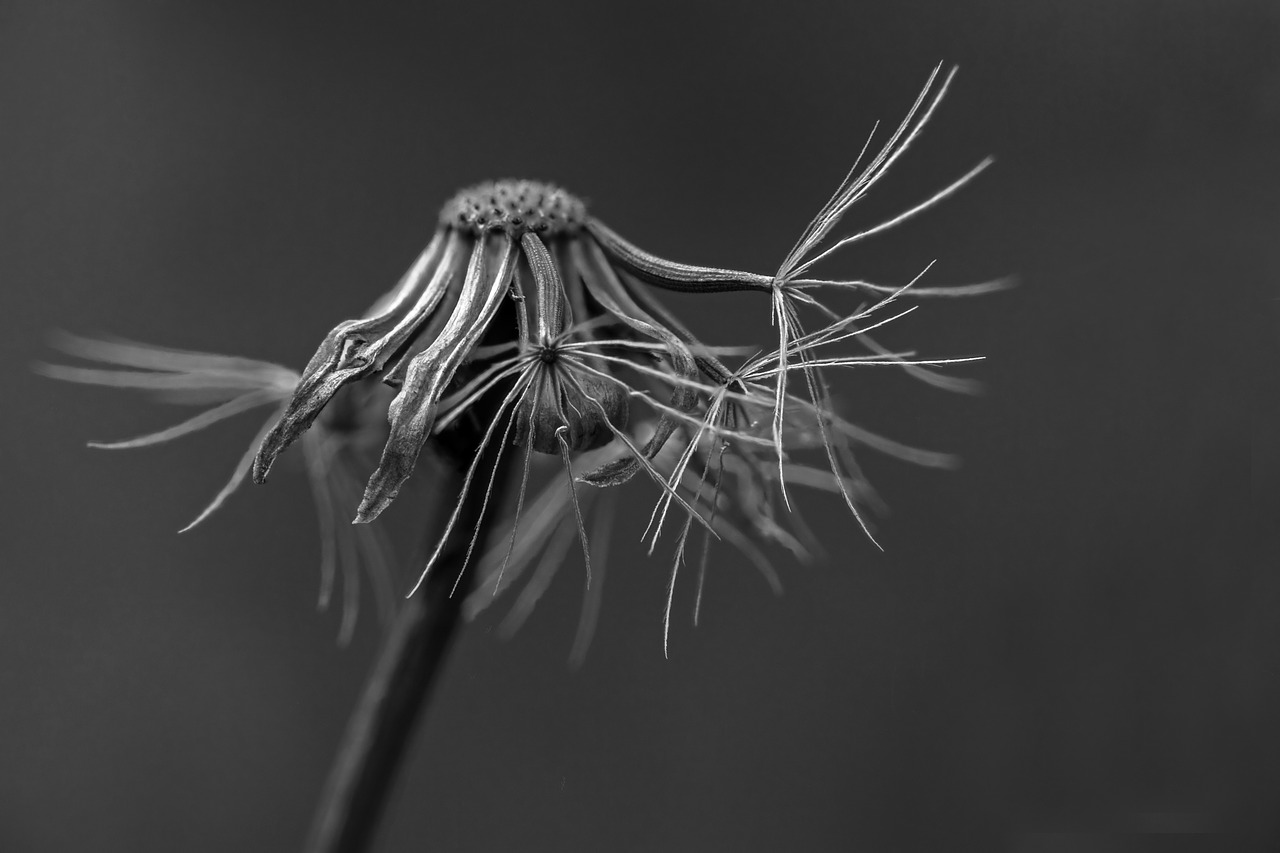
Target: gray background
{"points": [[1066, 644]]}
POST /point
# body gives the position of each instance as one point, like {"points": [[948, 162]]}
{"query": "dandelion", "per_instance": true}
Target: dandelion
{"points": [[528, 323], [589, 337]]}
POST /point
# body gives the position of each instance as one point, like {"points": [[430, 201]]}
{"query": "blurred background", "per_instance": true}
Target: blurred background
{"points": [[1067, 644]]}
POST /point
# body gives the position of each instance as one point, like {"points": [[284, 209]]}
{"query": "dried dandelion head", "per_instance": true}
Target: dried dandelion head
{"points": [[528, 311]]}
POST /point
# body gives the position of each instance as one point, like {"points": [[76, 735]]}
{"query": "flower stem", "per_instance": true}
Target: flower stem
{"points": [[404, 674]]}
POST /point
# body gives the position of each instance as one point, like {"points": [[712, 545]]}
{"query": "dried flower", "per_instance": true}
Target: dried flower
{"points": [[525, 302]]}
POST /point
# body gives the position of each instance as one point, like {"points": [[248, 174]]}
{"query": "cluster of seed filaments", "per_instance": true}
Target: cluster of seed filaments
{"points": [[514, 207]]}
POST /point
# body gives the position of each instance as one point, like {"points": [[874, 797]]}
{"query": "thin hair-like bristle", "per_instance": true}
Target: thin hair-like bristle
{"points": [[593, 593], [237, 479], [572, 485], [207, 418]]}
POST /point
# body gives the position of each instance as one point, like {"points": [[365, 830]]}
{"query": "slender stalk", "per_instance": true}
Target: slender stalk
{"points": [[403, 676]]}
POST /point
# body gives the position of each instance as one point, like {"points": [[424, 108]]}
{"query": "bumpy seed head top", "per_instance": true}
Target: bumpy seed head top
{"points": [[515, 207]]}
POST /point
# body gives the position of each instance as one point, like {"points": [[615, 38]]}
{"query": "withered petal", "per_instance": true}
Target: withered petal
{"points": [[356, 348], [548, 287], [413, 411]]}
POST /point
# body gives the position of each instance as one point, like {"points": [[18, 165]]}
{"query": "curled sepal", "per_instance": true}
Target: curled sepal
{"points": [[357, 348], [413, 411], [338, 361]]}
